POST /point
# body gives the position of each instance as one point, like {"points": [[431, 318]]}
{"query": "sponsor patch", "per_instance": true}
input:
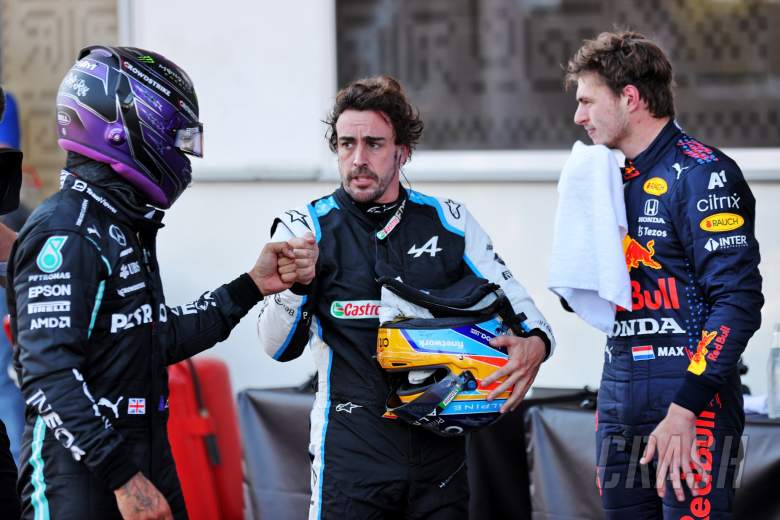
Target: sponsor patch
{"points": [[664, 297], [698, 359], [720, 342], [355, 310], [678, 169], [651, 220], [645, 231], [646, 326], [129, 269], [431, 247], [46, 291], [728, 242], [651, 207], [440, 343], [44, 307], [717, 180], [637, 254], [127, 290], [53, 322], [655, 186], [721, 222], [140, 316], [116, 233], [50, 257], [45, 277], [347, 407], [717, 202]]}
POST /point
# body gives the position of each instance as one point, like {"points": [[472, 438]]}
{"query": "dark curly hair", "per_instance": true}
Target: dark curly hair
{"points": [[383, 94], [627, 58]]}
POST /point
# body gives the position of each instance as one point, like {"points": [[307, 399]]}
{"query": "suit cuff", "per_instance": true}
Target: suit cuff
{"points": [[117, 468], [301, 289], [244, 292], [539, 333], [694, 394]]}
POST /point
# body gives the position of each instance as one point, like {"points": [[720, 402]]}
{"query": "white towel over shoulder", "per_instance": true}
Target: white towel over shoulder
{"points": [[588, 266]]}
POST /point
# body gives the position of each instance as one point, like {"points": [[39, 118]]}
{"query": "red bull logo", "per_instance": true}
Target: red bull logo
{"points": [[720, 341], [665, 297], [637, 254], [700, 505], [698, 360]]}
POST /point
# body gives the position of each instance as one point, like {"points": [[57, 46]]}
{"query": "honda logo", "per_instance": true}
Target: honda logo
{"points": [[651, 207]]}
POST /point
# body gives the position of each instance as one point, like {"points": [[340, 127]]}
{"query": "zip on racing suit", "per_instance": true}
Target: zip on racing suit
{"points": [[93, 340], [693, 262], [363, 465]]}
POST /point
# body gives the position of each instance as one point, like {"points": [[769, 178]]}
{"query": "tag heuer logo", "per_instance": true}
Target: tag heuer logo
{"points": [[355, 310]]}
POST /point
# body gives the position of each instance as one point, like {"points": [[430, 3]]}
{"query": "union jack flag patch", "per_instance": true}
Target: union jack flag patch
{"points": [[136, 406]]}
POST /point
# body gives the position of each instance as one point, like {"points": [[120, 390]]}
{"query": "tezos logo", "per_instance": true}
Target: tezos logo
{"points": [[355, 310], [50, 259]]}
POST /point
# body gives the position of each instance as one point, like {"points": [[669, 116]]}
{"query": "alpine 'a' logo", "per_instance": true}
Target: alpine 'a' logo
{"points": [[431, 247]]}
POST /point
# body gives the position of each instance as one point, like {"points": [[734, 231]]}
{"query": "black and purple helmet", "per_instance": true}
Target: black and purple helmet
{"points": [[136, 111]]}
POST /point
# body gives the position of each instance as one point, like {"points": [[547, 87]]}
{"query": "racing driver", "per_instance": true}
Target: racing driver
{"points": [[93, 332], [364, 465], [670, 367]]}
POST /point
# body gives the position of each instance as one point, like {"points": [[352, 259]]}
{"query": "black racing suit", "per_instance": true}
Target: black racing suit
{"points": [[365, 466], [93, 338], [693, 261]]}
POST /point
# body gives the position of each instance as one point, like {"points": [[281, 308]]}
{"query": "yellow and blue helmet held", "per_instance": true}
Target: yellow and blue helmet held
{"points": [[436, 359]]}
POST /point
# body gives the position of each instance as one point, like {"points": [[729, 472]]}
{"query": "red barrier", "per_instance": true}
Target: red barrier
{"points": [[203, 432]]}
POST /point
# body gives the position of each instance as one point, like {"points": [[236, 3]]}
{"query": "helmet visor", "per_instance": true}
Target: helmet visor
{"points": [[190, 140]]}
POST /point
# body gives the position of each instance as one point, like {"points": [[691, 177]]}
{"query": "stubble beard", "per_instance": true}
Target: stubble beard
{"points": [[363, 196]]}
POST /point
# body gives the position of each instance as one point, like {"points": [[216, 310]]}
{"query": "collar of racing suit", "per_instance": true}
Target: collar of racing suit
{"points": [[372, 212], [650, 156], [101, 178]]}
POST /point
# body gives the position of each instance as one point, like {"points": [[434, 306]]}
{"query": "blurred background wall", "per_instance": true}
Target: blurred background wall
{"points": [[487, 78]]}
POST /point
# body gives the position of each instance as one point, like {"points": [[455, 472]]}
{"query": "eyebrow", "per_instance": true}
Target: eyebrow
{"points": [[368, 139]]}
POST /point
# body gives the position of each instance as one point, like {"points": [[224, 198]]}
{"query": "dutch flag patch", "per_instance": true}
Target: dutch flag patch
{"points": [[642, 353]]}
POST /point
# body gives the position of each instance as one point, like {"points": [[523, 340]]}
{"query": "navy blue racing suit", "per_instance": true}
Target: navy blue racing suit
{"points": [[696, 301]]}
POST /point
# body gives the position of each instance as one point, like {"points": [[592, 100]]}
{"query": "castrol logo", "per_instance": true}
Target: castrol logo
{"points": [[355, 309]]}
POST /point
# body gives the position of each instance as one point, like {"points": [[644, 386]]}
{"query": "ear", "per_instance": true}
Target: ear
{"points": [[403, 156], [630, 96]]}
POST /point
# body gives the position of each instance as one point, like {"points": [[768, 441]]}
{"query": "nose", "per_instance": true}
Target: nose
{"points": [[580, 115], [359, 156]]}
